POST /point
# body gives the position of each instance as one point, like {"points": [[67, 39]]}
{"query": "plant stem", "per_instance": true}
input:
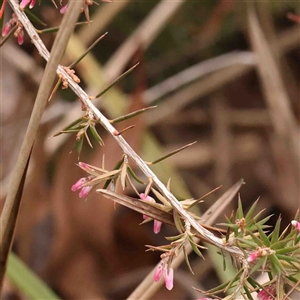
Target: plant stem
{"points": [[207, 235], [13, 199]]}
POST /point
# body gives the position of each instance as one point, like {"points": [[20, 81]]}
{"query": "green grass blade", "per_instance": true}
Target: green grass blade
{"points": [[27, 281]]}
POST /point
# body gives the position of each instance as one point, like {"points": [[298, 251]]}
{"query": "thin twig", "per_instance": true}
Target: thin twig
{"points": [[205, 234], [147, 288]]}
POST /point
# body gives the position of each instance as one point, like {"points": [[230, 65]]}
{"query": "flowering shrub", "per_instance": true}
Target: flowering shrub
{"points": [[247, 239]]}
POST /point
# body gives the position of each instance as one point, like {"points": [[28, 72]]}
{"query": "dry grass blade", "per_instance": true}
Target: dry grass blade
{"points": [[197, 71], [274, 90]]}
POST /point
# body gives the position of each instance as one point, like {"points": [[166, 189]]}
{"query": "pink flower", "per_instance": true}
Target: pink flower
{"points": [[64, 9], [253, 256], [296, 224], [204, 299], [157, 224], [169, 278], [79, 186], [268, 293], [24, 3], [260, 252], [85, 191], [159, 271], [162, 269], [6, 29], [20, 37]]}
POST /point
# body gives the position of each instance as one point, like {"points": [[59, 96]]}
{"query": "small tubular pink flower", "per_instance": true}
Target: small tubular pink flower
{"points": [[159, 271], [20, 37], [253, 256], [85, 191], [6, 29], [162, 269], [157, 224], [64, 9], [32, 4], [24, 3], [169, 278], [296, 224], [78, 185]]}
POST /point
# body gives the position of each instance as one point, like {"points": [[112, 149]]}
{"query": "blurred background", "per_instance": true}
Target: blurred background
{"points": [[223, 73]]}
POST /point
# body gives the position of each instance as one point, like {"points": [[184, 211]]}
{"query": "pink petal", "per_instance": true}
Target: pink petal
{"points": [[6, 29], [85, 191], [24, 3], [157, 226], [169, 278], [252, 257], [147, 198], [21, 37], [296, 224], [78, 185], [32, 3], [158, 271], [64, 9]]}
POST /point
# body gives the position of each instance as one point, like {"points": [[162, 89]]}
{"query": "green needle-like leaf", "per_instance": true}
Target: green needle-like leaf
{"points": [[33, 17], [55, 29], [172, 153], [78, 145], [114, 82], [261, 262], [95, 134], [248, 293], [256, 239], [276, 266], [117, 167], [131, 115], [187, 260], [276, 231], [195, 247], [263, 236], [178, 222], [88, 49], [88, 139], [76, 122], [251, 211], [133, 175], [233, 280]]}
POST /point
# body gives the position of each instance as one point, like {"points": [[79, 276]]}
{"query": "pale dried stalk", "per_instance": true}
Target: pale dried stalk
{"points": [[205, 234], [147, 288], [12, 203]]}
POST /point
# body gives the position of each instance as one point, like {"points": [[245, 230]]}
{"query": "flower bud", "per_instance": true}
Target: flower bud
{"points": [[296, 224], [6, 29], [169, 278]]}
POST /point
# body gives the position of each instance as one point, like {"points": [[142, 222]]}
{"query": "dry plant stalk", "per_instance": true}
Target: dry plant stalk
{"points": [[171, 206]]}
